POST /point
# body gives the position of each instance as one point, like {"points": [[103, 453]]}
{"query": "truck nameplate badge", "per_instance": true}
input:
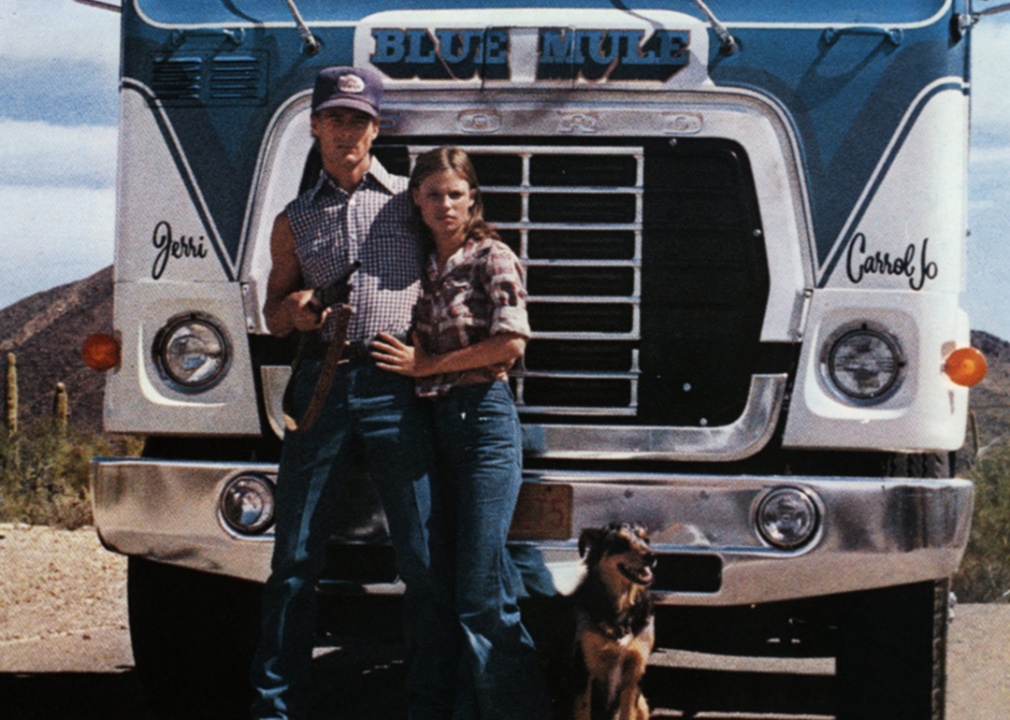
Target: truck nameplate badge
{"points": [[479, 121], [167, 247], [580, 123], [913, 264], [683, 124], [562, 54]]}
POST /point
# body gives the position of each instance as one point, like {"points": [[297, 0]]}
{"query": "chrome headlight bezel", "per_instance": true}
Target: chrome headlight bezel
{"points": [[844, 338], [166, 351], [804, 502], [252, 493]]}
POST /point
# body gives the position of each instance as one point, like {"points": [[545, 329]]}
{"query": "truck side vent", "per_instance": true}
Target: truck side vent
{"points": [[237, 78], [205, 78], [176, 79]]}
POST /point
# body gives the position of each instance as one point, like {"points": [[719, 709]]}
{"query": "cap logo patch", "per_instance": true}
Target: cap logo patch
{"points": [[350, 84]]}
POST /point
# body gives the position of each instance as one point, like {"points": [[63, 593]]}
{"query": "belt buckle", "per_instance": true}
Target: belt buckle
{"points": [[355, 350]]}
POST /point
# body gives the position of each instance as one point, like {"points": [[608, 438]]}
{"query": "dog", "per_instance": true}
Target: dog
{"points": [[614, 623]]}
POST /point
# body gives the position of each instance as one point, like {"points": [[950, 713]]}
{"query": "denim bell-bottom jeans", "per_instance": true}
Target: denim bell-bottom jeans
{"points": [[498, 672], [375, 412]]}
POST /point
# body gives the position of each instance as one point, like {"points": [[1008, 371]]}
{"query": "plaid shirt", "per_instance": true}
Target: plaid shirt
{"points": [[478, 294], [333, 228]]}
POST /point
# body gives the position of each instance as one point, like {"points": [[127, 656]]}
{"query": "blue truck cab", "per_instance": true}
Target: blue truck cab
{"points": [[743, 227]]}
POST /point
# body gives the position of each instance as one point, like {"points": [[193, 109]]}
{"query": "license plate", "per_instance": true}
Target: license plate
{"points": [[544, 512]]}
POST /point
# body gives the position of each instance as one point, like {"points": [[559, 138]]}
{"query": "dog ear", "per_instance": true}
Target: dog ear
{"points": [[589, 539]]}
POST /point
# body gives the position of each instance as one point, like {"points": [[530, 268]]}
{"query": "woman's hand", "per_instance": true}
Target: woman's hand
{"points": [[394, 355]]}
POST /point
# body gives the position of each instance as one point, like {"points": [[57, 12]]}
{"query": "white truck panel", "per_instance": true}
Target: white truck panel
{"points": [[137, 400]]}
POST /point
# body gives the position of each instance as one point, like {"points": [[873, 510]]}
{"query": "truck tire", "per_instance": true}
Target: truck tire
{"points": [[891, 661], [193, 638]]}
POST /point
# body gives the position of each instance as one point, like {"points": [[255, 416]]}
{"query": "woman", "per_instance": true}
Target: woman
{"points": [[471, 327]]}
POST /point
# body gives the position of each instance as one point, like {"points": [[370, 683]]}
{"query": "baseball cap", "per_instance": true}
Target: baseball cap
{"points": [[349, 87]]}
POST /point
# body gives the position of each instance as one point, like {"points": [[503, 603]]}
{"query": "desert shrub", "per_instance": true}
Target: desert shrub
{"points": [[985, 571], [45, 471]]}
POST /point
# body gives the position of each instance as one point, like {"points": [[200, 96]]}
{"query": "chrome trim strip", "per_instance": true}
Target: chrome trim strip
{"points": [[587, 300], [786, 26], [528, 151], [533, 225], [629, 411], [551, 262], [586, 335], [565, 189], [275, 382], [579, 374], [740, 439]]}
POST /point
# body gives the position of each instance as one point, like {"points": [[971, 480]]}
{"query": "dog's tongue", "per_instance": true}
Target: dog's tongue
{"points": [[646, 575]]}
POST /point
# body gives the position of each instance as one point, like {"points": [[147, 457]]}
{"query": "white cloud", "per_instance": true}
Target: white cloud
{"points": [[70, 220], [40, 153], [989, 191], [988, 262], [62, 30], [983, 156], [53, 235]]}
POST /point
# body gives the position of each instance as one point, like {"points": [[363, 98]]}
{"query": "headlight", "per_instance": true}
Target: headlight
{"points": [[192, 353], [787, 518], [863, 364], [247, 504]]}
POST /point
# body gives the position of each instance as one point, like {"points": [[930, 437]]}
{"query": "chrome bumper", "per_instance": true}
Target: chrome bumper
{"points": [[874, 533]]}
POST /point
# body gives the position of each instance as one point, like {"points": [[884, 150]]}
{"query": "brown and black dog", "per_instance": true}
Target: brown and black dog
{"points": [[613, 623]]}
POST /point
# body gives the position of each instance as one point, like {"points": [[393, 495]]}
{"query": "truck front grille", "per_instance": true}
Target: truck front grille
{"points": [[646, 274]]}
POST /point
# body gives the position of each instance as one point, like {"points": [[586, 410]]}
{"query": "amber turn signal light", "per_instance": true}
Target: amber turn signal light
{"points": [[966, 366], [100, 352]]}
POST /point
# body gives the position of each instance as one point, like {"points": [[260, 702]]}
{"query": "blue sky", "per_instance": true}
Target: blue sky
{"points": [[58, 94]]}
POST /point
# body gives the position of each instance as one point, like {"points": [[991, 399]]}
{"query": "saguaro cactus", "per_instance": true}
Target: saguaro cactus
{"points": [[60, 407], [11, 418]]}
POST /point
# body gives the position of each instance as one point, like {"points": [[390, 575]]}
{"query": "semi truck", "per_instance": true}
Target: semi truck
{"points": [[743, 229]]}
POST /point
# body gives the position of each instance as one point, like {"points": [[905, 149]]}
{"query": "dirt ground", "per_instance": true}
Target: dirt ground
{"points": [[64, 633], [56, 583]]}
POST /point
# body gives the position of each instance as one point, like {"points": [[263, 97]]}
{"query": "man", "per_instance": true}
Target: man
{"points": [[356, 212]]}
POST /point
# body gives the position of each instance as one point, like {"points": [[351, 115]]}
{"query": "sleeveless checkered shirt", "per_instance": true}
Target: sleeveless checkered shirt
{"points": [[333, 228]]}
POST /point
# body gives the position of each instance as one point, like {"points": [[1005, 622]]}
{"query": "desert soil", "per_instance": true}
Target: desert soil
{"points": [[63, 615]]}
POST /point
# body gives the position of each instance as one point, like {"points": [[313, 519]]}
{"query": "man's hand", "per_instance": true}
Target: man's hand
{"points": [[304, 312]]}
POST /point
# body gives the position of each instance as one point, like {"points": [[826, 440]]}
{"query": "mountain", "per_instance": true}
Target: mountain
{"points": [[990, 399], [45, 331]]}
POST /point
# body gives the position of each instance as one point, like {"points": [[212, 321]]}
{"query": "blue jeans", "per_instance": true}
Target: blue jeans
{"points": [[476, 488], [375, 412]]}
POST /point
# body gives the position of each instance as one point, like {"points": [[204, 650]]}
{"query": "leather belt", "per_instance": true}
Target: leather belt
{"points": [[356, 350], [316, 349]]}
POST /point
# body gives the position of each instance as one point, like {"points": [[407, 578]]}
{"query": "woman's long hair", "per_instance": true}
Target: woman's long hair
{"points": [[457, 161]]}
